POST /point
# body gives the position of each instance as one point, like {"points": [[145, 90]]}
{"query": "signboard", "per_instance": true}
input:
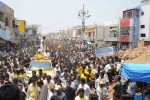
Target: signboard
{"points": [[124, 23], [1, 7], [106, 51], [21, 26]]}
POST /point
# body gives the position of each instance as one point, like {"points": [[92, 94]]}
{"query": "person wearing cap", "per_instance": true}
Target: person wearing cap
{"points": [[101, 91], [81, 95], [33, 91], [59, 94]]}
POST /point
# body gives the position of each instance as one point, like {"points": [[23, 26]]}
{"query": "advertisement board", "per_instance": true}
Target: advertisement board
{"points": [[106, 51], [124, 23], [21, 26]]}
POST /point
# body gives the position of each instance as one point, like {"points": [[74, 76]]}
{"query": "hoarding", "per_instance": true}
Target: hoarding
{"points": [[124, 23], [21, 26]]}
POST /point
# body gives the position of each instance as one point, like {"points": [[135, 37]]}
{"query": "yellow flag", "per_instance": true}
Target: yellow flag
{"points": [[59, 46]]}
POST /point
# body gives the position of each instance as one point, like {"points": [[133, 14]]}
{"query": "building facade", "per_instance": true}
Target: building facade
{"points": [[145, 21], [2, 24], [129, 28], [112, 37]]}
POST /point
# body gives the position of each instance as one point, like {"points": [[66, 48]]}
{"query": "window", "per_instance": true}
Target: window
{"points": [[6, 21], [142, 26], [124, 31], [89, 34], [13, 23], [1, 16], [143, 35], [142, 13], [129, 14]]}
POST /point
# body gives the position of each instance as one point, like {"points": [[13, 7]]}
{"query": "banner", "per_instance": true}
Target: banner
{"points": [[22, 26], [106, 51]]}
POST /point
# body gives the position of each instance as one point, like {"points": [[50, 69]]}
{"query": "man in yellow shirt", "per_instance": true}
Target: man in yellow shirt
{"points": [[79, 70], [38, 55], [81, 95], [32, 91]]}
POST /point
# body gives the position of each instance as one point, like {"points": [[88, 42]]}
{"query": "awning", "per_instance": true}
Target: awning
{"points": [[136, 72], [2, 41], [5, 35]]}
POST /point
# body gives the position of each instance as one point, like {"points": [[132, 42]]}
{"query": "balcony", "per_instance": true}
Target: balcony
{"points": [[124, 38]]}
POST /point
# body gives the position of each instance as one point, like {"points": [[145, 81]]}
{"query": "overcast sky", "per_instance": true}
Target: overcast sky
{"points": [[55, 15]]}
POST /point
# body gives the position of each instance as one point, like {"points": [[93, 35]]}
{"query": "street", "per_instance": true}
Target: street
{"points": [[74, 50]]}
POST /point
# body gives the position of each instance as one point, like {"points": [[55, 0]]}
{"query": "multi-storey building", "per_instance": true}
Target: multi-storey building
{"points": [[129, 28], [112, 37], [145, 21], [2, 24]]}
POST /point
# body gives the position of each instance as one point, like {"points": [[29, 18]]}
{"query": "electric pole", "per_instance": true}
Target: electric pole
{"points": [[83, 15]]}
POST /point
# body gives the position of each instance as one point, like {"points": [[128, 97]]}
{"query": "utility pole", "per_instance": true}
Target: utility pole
{"points": [[83, 15]]}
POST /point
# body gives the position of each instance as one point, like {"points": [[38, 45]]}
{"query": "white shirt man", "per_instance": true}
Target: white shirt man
{"points": [[132, 88], [41, 45], [47, 54], [49, 83], [97, 82], [72, 85], [49, 95], [56, 69], [86, 89], [107, 67], [101, 90], [118, 67]]}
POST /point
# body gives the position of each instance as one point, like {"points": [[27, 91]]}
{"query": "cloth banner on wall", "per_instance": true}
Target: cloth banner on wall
{"points": [[106, 51]]}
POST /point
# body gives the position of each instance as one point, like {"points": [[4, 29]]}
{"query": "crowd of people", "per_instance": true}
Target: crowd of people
{"points": [[76, 75]]}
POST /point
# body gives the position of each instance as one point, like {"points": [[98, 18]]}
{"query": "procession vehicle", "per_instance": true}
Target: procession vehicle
{"points": [[40, 62]]}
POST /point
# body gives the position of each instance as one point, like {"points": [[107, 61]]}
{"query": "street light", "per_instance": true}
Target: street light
{"points": [[83, 15]]}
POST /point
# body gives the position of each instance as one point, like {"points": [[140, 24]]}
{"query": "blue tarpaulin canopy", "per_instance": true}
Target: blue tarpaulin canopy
{"points": [[4, 35], [136, 72]]}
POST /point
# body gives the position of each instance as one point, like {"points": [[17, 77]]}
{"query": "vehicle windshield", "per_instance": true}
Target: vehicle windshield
{"points": [[40, 65]]}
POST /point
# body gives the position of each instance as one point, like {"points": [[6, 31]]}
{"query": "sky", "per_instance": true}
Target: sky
{"points": [[55, 15]]}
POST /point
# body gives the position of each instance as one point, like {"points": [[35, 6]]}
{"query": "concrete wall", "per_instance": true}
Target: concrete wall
{"points": [[114, 29], [9, 14], [102, 32]]}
